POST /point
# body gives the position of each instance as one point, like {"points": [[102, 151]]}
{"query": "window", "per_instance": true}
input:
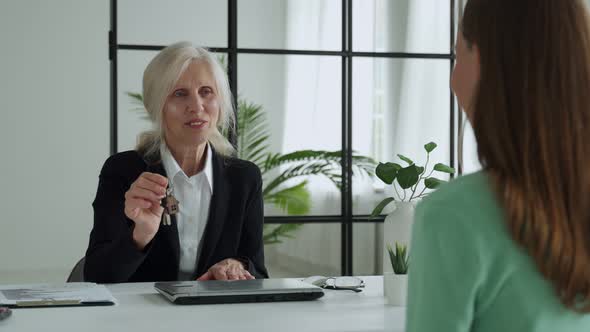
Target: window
{"points": [[342, 76]]}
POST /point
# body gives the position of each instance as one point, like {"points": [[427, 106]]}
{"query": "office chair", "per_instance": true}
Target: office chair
{"points": [[77, 274]]}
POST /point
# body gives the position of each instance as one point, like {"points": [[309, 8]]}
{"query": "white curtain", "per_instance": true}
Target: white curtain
{"points": [[312, 121], [398, 106]]}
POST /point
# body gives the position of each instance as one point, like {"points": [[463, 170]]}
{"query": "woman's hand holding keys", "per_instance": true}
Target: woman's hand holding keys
{"points": [[142, 205]]}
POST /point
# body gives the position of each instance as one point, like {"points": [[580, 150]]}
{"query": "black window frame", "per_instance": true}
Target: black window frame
{"points": [[346, 217]]}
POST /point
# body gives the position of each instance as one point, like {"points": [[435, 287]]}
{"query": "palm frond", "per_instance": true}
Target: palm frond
{"points": [[299, 156], [294, 171], [295, 199], [361, 164], [257, 150], [306, 155], [329, 161], [136, 97], [273, 235], [253, 132], [221, 59]]}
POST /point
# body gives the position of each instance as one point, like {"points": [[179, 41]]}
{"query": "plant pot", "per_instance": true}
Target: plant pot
{"points": [[397, 227], [395, 288]]}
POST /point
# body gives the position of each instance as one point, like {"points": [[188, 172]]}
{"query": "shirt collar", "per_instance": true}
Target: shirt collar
{"points": [[209, 167], [172, 168]]}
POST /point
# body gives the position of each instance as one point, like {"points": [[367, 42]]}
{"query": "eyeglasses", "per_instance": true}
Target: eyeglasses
{"points": [[348, 283]]}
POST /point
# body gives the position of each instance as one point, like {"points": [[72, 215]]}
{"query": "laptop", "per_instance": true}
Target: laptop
{"points": [[238, 291]]}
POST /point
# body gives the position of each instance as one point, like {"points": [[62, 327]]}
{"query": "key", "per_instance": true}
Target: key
{"points": [[170, 205]]}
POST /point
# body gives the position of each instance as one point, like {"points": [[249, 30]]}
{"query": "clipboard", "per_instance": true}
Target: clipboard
{"points": [[64, 295]]}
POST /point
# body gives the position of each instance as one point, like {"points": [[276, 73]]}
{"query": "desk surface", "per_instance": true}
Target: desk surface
{"points": [[142, 309]]}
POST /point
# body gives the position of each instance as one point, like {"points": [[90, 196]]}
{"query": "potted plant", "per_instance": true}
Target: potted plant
{"points": [[410, 183], [278, 170], [395, 284]]}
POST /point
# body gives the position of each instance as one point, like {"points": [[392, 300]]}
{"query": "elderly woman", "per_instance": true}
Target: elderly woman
{"points": [[179, 207]]}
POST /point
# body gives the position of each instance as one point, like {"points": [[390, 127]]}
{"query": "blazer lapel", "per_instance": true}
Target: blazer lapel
{"points": [[217, 212], [169, 233]]}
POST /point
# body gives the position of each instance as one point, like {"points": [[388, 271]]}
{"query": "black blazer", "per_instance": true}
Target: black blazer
{"points": [[233, 230]]}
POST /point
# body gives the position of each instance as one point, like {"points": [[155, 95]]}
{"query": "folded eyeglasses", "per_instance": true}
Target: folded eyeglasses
{"points": [[347, 283]]}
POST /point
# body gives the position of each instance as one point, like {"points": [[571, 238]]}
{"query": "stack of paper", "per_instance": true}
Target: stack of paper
{"points": [[70, 294]]}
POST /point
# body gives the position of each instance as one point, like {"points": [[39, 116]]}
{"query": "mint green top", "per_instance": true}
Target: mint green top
{"points": [[467, 274]]}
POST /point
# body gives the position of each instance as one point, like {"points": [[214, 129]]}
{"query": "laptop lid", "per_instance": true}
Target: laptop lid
{"points": [[238, 291]]}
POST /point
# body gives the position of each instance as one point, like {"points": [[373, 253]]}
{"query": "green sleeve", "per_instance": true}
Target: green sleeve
{"points": [[445, 270]]}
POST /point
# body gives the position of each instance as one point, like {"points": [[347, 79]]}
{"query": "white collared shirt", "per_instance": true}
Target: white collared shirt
{"points": [[194, 196]]}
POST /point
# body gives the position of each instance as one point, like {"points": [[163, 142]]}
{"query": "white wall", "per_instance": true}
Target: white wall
{"points": [[54, 133]]}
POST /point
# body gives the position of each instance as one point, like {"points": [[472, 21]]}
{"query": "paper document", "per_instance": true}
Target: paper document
{"points": [[77, 293]]}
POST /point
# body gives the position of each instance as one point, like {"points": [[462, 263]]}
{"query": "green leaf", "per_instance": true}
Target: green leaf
{"points": [[400, 261], [381, 206], [420, 170], [253, 132], [444, 168], [430, 147], [406, 159], [297, 170], [433, 183], [221, 59], [387, 171], [307, 161], [137, 97], [301, 156], [274, 234], [293, 200], [407, 177]]}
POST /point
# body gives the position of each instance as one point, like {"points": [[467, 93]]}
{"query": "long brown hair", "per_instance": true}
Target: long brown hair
{"points": [[531, 118]]}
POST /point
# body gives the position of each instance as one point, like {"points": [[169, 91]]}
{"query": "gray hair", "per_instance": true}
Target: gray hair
{"points": [[160, 77]]}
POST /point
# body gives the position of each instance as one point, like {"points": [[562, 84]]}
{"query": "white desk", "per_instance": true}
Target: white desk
{"points": [[142, 309]]}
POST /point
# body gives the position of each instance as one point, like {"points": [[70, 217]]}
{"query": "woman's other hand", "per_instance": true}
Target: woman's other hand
{"points": [[227, 269]]}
